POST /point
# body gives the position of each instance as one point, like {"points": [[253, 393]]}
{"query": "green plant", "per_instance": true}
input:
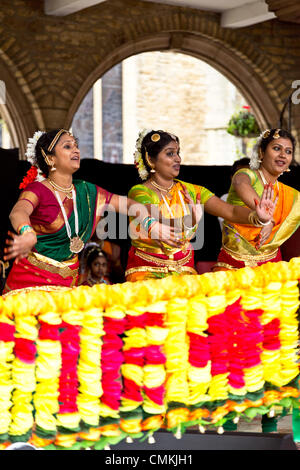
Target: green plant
{"points": [[243, 124]]}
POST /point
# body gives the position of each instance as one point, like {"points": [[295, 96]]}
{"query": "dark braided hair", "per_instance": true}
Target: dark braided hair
{"points": [[43, 143]]}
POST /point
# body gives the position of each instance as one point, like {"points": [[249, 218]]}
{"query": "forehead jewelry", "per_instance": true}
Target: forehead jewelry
{"points": [[155, 137], [266, 134], [60, 132]]}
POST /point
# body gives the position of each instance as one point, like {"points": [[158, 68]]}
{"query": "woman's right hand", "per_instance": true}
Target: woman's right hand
{"points": [[19, 246], [266, 206], [163, 233]]}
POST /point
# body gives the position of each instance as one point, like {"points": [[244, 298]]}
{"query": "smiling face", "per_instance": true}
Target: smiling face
{"points": [[167, 162], [66, 156], [277, 156]]}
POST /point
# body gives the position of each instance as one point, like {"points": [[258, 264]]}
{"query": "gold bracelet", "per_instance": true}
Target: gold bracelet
{"points": [[254, 220]]}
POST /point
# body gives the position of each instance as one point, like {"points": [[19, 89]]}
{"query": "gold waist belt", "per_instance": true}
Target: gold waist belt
{"points": [[160, 269], [162, 265], [251, 260], [56, 267], [173, 265]]}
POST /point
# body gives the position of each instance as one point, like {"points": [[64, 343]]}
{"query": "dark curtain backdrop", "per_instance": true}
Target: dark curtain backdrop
{"points": [[119, 178]]}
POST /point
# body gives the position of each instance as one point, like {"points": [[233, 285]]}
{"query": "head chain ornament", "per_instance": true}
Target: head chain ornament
{"points": [[54, 141], [255, 161]]}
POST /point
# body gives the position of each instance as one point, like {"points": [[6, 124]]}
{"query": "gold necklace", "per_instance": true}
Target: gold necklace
{"points": [[67, 191], [161, 188], [265, 181]]}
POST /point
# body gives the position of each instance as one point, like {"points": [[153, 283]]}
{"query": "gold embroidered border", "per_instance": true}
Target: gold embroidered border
{"points": [[224, 265], [163, 262], [251, 260], [165, 270], [169, 251], [52, 266]]}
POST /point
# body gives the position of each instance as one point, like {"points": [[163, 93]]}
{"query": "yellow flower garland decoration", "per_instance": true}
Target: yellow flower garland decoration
{"points": [[194, 310]]}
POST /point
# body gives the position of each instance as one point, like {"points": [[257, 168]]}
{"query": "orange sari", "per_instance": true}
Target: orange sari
{"points": [[238, 241]]}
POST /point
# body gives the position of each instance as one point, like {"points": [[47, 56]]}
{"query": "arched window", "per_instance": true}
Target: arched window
{"points": [[160, 90]]}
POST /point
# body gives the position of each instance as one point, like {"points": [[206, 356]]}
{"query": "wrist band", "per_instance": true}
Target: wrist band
{"points": [[25, 228], [189, 228], [252, 217], [264, 223], [254, 220], [147, 222]]}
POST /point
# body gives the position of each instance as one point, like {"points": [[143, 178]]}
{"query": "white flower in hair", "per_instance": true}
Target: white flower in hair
{"points": [[30, 152], [138, 159], [255, 161]]}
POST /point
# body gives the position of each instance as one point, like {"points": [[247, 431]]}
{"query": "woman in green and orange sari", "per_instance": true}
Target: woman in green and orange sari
{"points": [[176, 203], [248, 245], [55, 216]]}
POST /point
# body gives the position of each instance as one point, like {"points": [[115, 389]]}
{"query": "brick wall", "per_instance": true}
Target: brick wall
{"points": [[49, 63]]}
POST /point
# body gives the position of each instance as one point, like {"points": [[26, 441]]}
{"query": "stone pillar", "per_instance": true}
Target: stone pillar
{"points": [[83, 126], [112, 134]]}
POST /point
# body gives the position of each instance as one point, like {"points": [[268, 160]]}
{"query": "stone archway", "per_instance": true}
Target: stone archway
{"points": [[242, 70], [20, 111]]}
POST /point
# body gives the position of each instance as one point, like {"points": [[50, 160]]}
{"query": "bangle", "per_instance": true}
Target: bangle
{"points": [[264, 223], [254, 220], [24, 229], [147, 222], [189, 228]]}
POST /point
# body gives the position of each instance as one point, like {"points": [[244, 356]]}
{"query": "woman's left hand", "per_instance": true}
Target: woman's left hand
{"points": [[19, 246], [266, 206]]}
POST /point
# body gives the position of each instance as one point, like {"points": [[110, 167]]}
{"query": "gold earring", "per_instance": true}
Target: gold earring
{"points": [[288, 170], [51, 164], [149, 163]]}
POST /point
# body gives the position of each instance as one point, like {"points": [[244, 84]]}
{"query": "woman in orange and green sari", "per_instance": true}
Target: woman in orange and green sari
{"points": [[55, 216], [174, 202], [248, 245]]}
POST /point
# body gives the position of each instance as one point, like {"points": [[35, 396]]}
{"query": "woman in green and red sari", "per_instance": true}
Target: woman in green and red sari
{"points": [[55, 216]]}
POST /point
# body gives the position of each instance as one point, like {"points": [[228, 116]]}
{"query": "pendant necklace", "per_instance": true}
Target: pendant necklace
{"points": [[76, 244]]}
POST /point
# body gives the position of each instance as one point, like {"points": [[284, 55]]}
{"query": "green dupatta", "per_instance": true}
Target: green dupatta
{"points": [[57, 245]]}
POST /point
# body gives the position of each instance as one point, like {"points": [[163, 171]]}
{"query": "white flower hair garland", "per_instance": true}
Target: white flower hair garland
{"points": [[138, 159], [255, 161], [30, 152]]}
